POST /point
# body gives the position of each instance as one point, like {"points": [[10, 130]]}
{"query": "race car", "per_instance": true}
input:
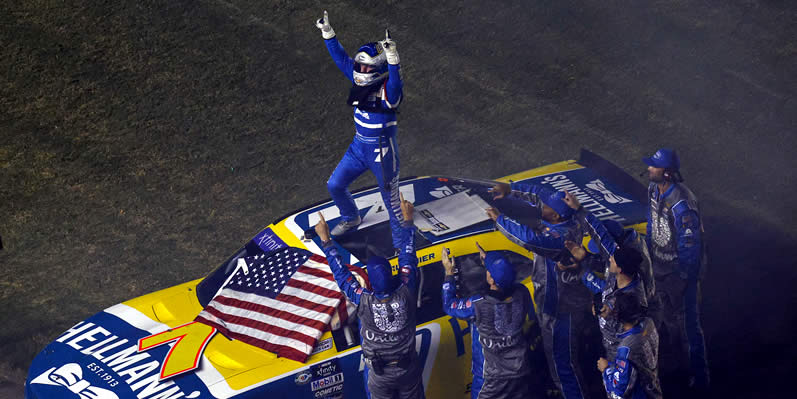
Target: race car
{"points": [[151, 347]]}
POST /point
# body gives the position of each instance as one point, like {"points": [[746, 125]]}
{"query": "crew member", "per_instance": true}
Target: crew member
{"points": [[562, 300], [622, 277], [634, 371], [386, 314], [375, 95], [500, 351], [628, 269], [675, 242], [607, 236]]}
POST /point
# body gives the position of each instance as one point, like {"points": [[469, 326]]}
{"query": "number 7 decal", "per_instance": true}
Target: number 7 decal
{"points": [[192, 338]]}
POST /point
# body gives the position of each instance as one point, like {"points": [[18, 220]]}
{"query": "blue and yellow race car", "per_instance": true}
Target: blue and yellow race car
{"points": [[151, 347]]}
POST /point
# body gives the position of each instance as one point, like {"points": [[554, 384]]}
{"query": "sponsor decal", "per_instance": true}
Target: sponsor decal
{"points": [[303, 378], [268, 241], [327, 380], [330, 392], [590, 198], [70, 376], [441, 192], [117, 360], [608, 195], [436, 224], [426, 258], [321, 346]]}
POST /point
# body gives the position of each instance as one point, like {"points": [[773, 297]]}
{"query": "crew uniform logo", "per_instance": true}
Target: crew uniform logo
{"points": [[389, 317]]}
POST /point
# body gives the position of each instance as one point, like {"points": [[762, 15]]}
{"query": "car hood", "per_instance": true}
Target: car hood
{"points": [[98, 359]]}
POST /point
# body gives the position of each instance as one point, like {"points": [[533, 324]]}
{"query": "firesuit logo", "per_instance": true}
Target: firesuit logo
{"points": [[70, 376]]}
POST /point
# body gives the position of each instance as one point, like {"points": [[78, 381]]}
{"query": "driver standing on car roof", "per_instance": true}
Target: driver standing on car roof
{"points": [[563, 302], [375, 95], [675, 242], [499, 349], [386, 314]]}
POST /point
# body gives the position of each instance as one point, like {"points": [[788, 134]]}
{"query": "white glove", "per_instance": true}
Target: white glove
{"points": [[326, 28], [391, 53]]}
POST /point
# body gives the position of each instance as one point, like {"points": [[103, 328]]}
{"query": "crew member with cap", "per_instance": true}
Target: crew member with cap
{"points": [[386, 314], [675, 241], [633, 373], [375, 95], [499, 348], [607, 236], [562, 300], [622, 277]]}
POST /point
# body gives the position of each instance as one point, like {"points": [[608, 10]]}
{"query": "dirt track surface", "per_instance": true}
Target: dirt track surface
{"points": [[142, 142]]}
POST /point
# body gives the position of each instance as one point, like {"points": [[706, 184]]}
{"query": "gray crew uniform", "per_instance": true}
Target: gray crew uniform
{"points": [[387, 324], [678, 259], [634, 372], [499, 349]]}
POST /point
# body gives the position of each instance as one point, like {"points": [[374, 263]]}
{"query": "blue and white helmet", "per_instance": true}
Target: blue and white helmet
{"points": [[370, 64]]}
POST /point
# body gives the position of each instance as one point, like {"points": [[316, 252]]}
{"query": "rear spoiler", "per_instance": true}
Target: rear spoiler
{"points": [[617, 176]]}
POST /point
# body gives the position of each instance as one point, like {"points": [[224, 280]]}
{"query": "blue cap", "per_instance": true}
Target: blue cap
{"points": [[615, 229], [557, 203], [500, 270], [380, 274], [663, 158]]}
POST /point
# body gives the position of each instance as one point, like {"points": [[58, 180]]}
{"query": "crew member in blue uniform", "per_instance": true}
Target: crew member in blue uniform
{"points": [[633, 373], [675, 243], [562, 301], [386, 314], [500, 362], [375, 95]]}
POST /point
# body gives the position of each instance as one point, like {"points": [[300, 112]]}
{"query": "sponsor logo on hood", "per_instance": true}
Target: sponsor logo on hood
{"points": [[608, 195], [70, 376]]}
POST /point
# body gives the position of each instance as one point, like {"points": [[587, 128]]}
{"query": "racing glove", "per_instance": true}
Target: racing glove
{"points": [[326, 29], [391, 53]]}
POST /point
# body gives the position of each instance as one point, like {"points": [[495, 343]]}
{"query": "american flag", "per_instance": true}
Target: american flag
{"points": [[280, 301]]}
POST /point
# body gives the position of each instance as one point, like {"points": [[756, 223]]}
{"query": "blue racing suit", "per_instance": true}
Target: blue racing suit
{"points": [[387, 324], [562, 301], [499, 348], [375, 125], [676, 250], [634, 372]]}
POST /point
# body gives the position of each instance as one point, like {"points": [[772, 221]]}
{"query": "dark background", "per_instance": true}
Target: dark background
{"points": [[142, 142]]}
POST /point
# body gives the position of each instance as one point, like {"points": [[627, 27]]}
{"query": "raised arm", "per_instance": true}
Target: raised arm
{"points": [[528, 192], [540, 243], [393, 87], [459, 308], [407, 261], [343, 276], [339, 55], [593, 226]]}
